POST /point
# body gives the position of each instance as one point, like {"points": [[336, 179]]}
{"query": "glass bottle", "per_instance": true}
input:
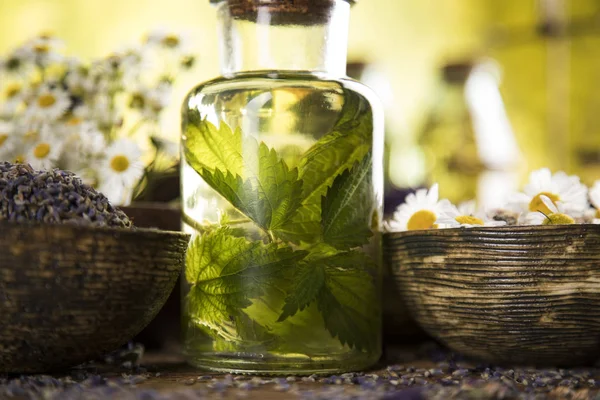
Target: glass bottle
{"points": [[282, 187], [468, 142]]}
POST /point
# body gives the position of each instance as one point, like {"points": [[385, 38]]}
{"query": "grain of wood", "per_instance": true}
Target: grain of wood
{"points": [[72, 293], [524, 295]]}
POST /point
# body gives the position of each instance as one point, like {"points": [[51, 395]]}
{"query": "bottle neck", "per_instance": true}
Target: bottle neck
{"points": [[263, 41]]}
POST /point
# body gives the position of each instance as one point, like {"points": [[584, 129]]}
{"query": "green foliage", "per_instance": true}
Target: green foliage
{"points": [[227, 272], [243, 290], [347, 208], [248, 175], [343, 286]]}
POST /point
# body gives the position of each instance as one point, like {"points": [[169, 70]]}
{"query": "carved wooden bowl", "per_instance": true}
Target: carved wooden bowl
{"points": [[69, 294], [520, 295]]}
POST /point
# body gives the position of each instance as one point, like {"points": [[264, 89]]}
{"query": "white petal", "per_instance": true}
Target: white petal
{"points": [[548, 203]]}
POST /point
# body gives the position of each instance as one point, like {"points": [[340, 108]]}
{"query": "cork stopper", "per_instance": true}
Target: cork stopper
{"points": [[282, 12]]}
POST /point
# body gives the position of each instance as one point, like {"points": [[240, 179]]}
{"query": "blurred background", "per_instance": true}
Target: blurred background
{"points": [[477, 92]]}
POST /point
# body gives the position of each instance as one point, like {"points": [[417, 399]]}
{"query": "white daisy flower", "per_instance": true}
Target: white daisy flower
{"points": [[177, 42], [420, 210], [45, 151], [16, 66], [84, 145], [101, 111], [48, 104], [44, 50], [120, 171], [558, 188], [12, 98], [77, 79], [7, 140], [466, 215], [556, 214], [91, 140], [136, 62], [151, 101], [594, 195]]}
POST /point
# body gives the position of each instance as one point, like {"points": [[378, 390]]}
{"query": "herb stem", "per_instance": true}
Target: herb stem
{"points": [[206, 227], [191, 222], [238, 221]]}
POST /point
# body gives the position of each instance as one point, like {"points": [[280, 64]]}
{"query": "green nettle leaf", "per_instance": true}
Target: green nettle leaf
{"points": [[345, 292], [226, 273], [348, 207], [243, 290], [308, 282], [348, 142], [212, 148], [256, 181]]}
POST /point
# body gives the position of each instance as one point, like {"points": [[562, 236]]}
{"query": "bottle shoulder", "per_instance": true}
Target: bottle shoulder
{"points": [[259, 80]]}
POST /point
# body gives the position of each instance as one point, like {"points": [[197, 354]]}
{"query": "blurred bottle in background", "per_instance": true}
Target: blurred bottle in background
{"points": [[467, 143]]}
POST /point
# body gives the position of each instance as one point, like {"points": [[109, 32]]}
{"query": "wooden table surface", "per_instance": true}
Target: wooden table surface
{"points": [[423, 371]]}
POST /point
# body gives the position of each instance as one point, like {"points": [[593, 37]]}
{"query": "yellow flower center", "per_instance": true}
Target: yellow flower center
{"points": [[597, 213], [119, 163], [137, 100], [41, 150], [558, 219], [422, 219], [73, 121], [19, 159], [46, 100], [12, 90], [468, 220], [41, 48], [536, 204], [171, 41], [3, 138]]}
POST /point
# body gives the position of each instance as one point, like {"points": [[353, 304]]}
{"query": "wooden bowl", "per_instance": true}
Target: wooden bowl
{"points": [[69, 294], [521, 295]]}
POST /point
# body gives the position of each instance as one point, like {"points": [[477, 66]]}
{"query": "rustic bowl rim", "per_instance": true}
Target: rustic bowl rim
{"points": [[567, 228], [139, 232]]}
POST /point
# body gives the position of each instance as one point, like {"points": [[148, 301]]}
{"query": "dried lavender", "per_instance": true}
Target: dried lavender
{"points": [[54, 197], [446, 376]]}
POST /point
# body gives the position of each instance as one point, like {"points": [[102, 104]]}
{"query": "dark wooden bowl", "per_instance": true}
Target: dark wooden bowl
{"points": [[69, 294], [520, 295]]}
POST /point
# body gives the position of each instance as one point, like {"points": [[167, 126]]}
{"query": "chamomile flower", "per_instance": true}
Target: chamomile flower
{"points": [[557, 188], [92, 141], [151, 101], [12, 95], [466, 215], [556, 214], [16, 66], [594, 195], [6, 140], [43, 50], [420, 210], [102, 111], [84, 143], [177, 42], [78, 80], [120, 169], [48, 104], [45, 151]]}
